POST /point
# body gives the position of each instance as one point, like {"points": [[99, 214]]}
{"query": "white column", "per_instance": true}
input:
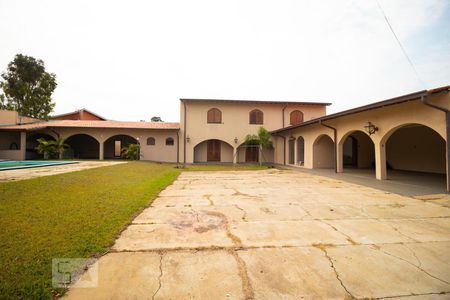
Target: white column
{"points": [[101, 151], [339, 158], [380, 161]]}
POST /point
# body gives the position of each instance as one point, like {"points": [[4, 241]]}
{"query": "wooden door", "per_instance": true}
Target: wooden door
{"points": [[213, 151], [252, 154]]}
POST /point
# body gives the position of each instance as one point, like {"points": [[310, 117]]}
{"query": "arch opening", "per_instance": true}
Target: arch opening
{"points": [[82, 146], [32, 143], [213, 151], [416, 148], [323, 152], [358, 152], [114, 145]]}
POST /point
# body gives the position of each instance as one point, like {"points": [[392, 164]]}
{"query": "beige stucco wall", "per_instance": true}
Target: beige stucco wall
{"points": [[201, 152], [388, 119], [235, 122], [323, 149], [159, 152], [9, 117], [416, 142]]}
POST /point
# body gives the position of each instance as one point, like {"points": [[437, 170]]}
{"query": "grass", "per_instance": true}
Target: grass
{"points": [[76, 214]]}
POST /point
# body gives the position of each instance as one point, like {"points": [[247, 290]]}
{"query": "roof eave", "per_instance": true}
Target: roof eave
{"points": [[393, 101]]}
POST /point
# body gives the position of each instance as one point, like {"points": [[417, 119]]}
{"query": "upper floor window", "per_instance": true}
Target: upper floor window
{"points": [[214, 116], [151, 141], [169, 142], [296, 117], [256, 117]]}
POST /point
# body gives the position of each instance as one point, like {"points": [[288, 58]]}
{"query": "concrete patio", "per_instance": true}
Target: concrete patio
{"points": [[278, 235]]}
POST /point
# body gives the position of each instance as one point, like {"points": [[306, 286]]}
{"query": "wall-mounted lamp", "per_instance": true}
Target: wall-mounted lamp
{"points": [[236, 140], [370, 128], [188, 139]]}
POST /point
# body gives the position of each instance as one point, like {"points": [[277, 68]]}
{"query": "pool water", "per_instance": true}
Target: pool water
{"points": [[13, 164]]}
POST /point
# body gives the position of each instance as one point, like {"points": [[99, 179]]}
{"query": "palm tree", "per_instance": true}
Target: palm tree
{"points": [[60, 146], [131, 151], [46, 148], [262, 139]]}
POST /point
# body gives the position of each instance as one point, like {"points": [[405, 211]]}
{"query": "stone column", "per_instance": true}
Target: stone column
{"points": [[235, 151]]}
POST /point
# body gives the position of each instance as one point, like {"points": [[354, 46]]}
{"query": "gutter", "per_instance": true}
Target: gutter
{"points": [[282, 115], [425, 101], [335, 144]]}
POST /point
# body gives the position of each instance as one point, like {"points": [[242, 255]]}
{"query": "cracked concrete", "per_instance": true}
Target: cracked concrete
{"points": [[279, 235]]}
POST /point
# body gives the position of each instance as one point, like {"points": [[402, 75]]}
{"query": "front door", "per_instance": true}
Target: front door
{"points": [[213, 151], [252, 154]]}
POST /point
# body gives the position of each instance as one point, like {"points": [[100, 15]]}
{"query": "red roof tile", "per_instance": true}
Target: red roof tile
{"points": [[93, 124]]}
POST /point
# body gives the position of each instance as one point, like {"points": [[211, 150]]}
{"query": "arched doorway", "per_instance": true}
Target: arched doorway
{"points": [[114, 145], [82, 146], [213, 151], [358, 151], [415, 148], [300, 151], [323, 152], [32, 143]]}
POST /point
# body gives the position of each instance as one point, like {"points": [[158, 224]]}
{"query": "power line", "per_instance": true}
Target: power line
{"points": [[401, 46]]}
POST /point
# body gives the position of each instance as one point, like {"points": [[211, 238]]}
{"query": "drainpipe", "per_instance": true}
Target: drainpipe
{"points": [[425, 101], [185, 135], [282, 115], [178, 148], [335, 144]]}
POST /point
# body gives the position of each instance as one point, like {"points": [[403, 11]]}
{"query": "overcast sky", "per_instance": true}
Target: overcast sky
{"points": [[131, 60]]}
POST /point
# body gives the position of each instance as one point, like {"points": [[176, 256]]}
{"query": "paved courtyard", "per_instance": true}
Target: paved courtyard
{"points": [[278, 235]]}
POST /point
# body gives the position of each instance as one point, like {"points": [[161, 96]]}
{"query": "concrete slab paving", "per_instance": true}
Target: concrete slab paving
{"points": [[276, 234]]}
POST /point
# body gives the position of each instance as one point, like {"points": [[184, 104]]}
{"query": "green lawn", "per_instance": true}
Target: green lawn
{"points": [[76, 214]]}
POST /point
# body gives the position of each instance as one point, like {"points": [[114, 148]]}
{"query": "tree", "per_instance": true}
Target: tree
{"points": [[52, 148], [131, 152], [262, 138], [156, 119], [46, 148], [27, 87], [60, 146]]}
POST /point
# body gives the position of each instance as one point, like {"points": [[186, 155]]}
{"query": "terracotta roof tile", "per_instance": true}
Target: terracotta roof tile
{"points": [[92, 124]]}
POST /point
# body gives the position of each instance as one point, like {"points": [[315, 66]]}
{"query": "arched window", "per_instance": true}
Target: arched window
{"points": [[151, 141], [169, 141], [296, 117], [214, 116], [256, 117]]}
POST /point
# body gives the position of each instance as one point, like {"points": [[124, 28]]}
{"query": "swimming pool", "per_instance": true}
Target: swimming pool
{"points": [[15, 164]]}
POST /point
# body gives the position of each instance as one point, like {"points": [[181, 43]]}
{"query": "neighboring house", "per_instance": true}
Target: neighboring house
{"points": [[81, 114], [409, 132]]}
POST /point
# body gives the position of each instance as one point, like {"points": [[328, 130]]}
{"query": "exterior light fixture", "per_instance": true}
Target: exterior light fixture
{"points": [[236, 140], [370, 128], [188, 139]]}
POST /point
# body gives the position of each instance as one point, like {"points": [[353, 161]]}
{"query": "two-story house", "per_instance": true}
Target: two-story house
{"points": [[214, 130]]}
